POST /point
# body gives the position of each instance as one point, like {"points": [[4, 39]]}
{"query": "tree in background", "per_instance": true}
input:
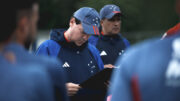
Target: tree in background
{"points": [[55, 13], [140, 16]]}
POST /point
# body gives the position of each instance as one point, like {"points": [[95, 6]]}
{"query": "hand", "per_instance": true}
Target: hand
{"points": [[109, 66], [72, 88]]}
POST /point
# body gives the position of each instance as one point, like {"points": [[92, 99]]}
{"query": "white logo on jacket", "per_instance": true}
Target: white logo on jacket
{"points": [[103, 53], [65, 65], [121, 52], [173, 69]]}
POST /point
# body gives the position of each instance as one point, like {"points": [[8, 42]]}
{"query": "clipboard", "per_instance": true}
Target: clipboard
{"points": [[97, 81]]}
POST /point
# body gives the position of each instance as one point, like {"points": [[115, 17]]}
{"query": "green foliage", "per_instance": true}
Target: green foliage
{"points": [[138, 14], [55, 13]]}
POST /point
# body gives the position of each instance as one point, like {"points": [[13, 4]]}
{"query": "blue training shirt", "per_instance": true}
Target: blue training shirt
{"points": [[24, 82], [52, 66], [149, 72]]}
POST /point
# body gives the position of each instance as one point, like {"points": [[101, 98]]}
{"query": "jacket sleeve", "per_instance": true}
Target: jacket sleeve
{"points": [[126, 42], [96, 55], [49, 47], [120, 88], [93, 40]]}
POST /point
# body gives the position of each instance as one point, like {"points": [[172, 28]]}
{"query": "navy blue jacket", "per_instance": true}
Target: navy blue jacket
{"points": [[52, 66], [83, 61], [149, 72], [79, 62], [110, 47], [18, 83]]}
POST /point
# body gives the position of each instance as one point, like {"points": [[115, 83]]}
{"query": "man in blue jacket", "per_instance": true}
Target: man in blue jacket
{"points": [[19, 82], [110, 42], [80, 59], [149, 72], [19, 22]]}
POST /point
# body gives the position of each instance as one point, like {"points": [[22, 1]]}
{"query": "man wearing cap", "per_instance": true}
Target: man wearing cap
{"points": [[152, 75], [80, 59], [110, 43]]}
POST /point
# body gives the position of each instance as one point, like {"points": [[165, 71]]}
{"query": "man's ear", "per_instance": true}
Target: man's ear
{"points": [[72, 22], [101, 22]]}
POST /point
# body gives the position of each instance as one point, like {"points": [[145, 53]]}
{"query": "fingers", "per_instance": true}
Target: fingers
{"points": [[72, 88], [109, 66]]}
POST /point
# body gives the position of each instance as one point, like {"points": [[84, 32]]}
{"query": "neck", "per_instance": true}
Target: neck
{"points": [[17, 38], [108, 34], [104, 32], [67, 35]]}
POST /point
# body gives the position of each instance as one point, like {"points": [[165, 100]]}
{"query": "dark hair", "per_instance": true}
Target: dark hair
{"points": [[77, 21], [9, 12]]}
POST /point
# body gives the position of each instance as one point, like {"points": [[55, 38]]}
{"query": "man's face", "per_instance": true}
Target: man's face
{"points": [[33, 19], [111, 26], [78, 36]]}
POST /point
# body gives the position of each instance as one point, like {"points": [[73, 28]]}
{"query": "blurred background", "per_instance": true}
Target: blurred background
{"points": [[142, 18]]}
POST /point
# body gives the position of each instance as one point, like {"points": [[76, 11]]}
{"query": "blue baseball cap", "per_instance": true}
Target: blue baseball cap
{"points": [[89, 18], [108, 11]]}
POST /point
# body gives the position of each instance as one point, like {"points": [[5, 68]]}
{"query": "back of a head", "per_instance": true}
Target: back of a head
{"points": [[9, 15]]}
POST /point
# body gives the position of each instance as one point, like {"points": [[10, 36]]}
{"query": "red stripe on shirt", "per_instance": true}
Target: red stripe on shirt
{"points": [[135, 88]]}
